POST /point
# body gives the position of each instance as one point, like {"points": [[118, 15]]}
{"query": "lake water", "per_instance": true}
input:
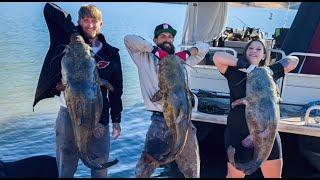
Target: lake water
{"points": [[24, 41]]}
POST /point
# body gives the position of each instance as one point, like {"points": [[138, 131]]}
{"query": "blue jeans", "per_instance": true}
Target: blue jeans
{"points": [[66, 150]]}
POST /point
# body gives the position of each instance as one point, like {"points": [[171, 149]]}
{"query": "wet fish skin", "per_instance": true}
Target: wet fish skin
{"points": [[177, 107], [83, 96], [262, 116]]}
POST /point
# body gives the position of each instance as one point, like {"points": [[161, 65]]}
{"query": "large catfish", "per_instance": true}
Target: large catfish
{"points": [[177, 107], [262, 116], [83, 96]]}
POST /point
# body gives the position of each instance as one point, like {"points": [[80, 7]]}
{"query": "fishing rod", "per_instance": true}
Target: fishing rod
{"points": [[242, 22]]}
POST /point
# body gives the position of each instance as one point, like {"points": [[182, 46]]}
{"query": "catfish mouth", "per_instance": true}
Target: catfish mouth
{"points": [[76, 38]]}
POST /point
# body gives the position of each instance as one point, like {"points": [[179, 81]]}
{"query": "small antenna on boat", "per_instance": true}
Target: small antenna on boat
{"points": [[271, 16], [286, 18]]}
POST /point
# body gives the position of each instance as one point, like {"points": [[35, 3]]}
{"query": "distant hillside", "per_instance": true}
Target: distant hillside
{"points": [[293, 5]]}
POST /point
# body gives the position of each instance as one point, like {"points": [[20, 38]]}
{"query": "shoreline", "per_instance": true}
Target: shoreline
{"points": [[270, 5], [276, 5]]}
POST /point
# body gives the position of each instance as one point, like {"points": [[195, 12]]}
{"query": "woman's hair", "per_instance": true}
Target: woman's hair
{"points": [[263, 61]]}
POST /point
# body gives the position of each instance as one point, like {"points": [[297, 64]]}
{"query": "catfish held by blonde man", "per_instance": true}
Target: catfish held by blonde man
{"points": [[83, 96]]}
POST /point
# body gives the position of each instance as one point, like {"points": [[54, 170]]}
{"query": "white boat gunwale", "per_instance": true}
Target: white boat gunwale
{"points": [[303, 125]]}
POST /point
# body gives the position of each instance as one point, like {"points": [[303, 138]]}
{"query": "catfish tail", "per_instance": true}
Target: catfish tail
{"points": [[247, 168]]}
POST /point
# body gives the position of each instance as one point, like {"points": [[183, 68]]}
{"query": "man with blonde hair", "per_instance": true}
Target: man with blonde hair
{"points": [[109, 68]]}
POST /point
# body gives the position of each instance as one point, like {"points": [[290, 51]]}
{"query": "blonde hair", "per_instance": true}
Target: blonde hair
{"points": [[89, 11]]}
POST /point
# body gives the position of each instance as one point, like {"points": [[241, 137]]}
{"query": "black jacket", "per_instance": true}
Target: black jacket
{"points": [[60, 28]]}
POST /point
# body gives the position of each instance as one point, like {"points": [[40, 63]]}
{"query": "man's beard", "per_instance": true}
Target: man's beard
{"points": [[88, 37], [91, 35], [166, 46]]}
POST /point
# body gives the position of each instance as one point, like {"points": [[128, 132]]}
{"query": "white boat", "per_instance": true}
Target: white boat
{"points": [[204, 22]]}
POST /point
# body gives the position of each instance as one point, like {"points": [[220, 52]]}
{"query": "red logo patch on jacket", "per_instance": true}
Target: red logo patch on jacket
{"points": [[103, 64]]}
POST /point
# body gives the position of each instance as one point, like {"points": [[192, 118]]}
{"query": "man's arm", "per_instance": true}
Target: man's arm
{"points": [[115, 97], [136, 44], [58, 20], [60, 28], [137, 48], [116, 81], [197, 53]]}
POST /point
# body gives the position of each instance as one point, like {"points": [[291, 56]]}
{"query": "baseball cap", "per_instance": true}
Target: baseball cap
{"points": [[164, 28]]}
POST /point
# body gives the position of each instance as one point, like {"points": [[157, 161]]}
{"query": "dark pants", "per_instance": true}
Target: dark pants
{"points": [[188, 160], [66, 150]]}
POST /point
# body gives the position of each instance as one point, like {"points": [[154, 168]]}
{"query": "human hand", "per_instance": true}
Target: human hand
{"points": [[109, 87], [116, 130], [247, 142], [60, 87], [105, 84], [193, 51], [99, 130], [201, 46]]}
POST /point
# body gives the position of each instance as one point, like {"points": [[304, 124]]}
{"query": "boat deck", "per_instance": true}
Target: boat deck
{"points": [[292, 121]]}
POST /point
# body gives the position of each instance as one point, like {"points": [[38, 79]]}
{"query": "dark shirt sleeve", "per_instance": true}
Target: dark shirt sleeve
{"points": [[227, 73], [59, 22], [116, 81], [60, 28], [278, 70]]}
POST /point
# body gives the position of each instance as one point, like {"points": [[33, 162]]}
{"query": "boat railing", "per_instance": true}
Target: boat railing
{"points": [[307, 119], [283, 54], [184, 47], [305, 55], [234, 52]]}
